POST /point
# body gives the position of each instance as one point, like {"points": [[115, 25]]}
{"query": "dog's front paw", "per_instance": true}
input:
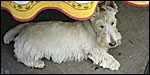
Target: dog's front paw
{"points": [[108, 61]]}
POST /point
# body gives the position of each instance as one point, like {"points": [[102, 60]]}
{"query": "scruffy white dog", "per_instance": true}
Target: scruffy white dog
{"points": [[67, 41]]}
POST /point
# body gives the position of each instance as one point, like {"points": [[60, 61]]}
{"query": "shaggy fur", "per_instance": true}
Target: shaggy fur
{"points": [[67, 41]]}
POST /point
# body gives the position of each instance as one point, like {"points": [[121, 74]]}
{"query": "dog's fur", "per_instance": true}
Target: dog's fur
{"points": [[66, 41]]}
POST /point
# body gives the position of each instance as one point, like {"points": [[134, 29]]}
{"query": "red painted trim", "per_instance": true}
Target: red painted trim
{"points": [[136, 4], [25, 20]]}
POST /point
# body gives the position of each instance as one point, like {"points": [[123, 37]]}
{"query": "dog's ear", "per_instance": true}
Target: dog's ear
{"points": [[97, 9], [111, 4], [93, 17]]}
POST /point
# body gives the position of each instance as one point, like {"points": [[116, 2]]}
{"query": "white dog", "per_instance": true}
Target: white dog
{"points": [[67, 41]]}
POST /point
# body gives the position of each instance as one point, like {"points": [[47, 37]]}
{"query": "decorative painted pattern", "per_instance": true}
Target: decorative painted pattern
{"points": [[79, 6], [22, 7]]}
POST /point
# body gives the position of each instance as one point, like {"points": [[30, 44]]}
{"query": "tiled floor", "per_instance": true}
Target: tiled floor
{"points": [[133, 53]]}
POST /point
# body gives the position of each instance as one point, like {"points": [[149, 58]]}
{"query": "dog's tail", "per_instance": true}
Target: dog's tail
{"points": [[10, 35]]}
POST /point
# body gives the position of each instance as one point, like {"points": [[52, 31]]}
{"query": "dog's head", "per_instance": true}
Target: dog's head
{"points": [[104, 25]]}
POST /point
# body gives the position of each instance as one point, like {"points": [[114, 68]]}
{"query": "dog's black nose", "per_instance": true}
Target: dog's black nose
{"points": [[112, 43]]}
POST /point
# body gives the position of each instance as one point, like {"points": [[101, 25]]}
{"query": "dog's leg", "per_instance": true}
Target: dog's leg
{"points": [[29, 56], [102, 58], [37, 64], [31, 62]]}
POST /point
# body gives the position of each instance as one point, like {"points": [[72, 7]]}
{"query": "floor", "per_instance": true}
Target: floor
{"points": [[133, 53]]}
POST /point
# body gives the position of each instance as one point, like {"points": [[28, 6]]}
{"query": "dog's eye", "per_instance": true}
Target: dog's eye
{"points": [[112, 23], [102, 26]]}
